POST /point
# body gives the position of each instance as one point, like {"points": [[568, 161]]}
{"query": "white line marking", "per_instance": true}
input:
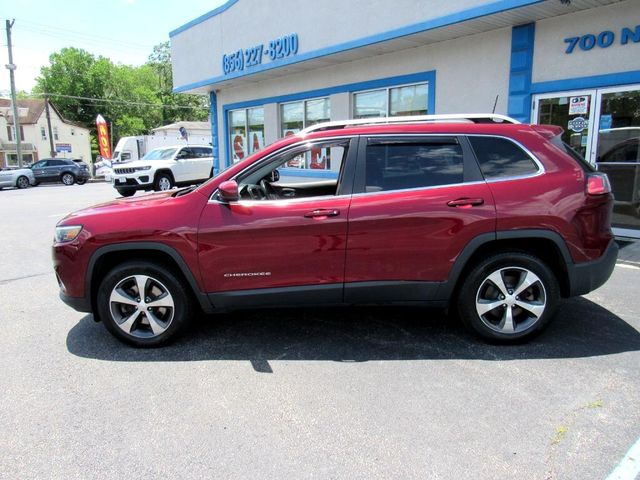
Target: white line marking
{"points": [[626, 265], [629, 466]]}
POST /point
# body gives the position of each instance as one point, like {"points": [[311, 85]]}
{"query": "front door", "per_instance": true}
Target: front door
{"points": [[604, 126], [284, 240]]}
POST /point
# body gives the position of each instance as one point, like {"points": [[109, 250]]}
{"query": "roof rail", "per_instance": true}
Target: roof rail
{"points": [[452, 117]]}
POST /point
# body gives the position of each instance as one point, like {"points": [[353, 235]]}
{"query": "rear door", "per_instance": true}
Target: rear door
{"points": [[53, 170], [418, 200]]}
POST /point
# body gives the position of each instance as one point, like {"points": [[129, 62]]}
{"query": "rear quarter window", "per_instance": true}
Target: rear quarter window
{"points": [[502, 158]]}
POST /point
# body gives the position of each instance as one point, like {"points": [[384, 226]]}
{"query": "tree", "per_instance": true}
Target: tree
{"points": [[135, 99]]}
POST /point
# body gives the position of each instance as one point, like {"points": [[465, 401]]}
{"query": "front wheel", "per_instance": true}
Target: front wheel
{"points": [[81, 181], [68, 178], [163, 182], [143, 304], [22, 182], [126, 193], [508, 297]]}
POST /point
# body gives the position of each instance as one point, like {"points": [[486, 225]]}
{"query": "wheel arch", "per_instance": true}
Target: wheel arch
{"points": [[547, 245], [166, 171], [105, 258]]}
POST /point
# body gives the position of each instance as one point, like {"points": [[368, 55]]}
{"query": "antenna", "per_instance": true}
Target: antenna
{"points": [[494, 104]]}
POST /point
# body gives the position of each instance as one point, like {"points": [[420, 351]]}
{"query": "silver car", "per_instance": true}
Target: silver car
{"points": [[20, 177]]}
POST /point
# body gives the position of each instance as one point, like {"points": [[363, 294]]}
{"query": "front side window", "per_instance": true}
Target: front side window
{"points": [[412, 164], [501, 158], [266, 182], [246, 132], [392, 102]]}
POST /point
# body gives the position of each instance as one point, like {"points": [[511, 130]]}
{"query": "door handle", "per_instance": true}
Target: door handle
{"points": [[322, 213], [465, 202]]}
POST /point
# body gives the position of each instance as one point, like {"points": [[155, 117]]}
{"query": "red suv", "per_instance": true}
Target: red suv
{"points": [[496, 218]]}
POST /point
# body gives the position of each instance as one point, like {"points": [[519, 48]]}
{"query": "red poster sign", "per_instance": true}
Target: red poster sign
{"points": [[103, 137]]}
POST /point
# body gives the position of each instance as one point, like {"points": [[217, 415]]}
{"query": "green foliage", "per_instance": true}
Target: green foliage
{"points": [[76, 72]]}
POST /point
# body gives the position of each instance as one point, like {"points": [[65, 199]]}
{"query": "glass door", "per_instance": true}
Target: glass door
{"points": [[604, 126], [617, 151], [574, 112]]}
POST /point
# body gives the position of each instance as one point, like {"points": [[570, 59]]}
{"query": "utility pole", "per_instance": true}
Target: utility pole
{"points": [[12, 66], [46, 110]]}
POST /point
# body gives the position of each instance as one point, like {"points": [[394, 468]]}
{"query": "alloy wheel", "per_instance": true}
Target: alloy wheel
{"points": [[67, 179], [23, 182], [141, 306], [511, 300]]}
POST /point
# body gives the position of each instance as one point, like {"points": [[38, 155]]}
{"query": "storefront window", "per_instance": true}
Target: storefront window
{"points": [[296, 116], [240, 122], [392, 102]]}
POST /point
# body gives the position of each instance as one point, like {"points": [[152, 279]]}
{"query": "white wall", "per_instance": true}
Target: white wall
{"points": [[470, 72], [552, 63], [77, 137], [197, 52]]}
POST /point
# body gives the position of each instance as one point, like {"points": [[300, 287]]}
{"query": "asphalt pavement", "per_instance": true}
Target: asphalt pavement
{"points": [[355, 393]]}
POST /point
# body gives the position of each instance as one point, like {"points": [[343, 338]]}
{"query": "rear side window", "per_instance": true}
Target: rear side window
{"points": [[557, 142], [501, 158], [398, 166]]}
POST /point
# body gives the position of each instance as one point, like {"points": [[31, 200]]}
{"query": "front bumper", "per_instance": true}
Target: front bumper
{"points": [[133, 181], [586, 277]]}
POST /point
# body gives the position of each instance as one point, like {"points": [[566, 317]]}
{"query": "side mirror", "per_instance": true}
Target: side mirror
{"points": [[275, 176], [228, 191]]}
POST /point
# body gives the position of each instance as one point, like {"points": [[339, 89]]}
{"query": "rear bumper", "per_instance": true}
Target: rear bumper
{"points": [[81, 304], [586, 277]]}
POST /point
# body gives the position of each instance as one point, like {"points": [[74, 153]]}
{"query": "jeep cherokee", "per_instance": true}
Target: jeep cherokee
{"points": [[478, 212]]}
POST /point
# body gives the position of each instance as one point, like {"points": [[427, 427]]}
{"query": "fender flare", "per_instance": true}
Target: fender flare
{"points": [[153, 246]]}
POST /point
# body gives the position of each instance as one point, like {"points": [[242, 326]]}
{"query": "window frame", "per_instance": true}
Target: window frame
{"points": [[246, 130], [304, 102], [471, 173], [388, 97]]}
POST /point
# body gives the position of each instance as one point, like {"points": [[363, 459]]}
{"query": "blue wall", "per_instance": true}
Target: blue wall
{"points": [[522, 40]]}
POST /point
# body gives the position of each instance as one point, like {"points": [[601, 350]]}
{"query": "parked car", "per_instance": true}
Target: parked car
{"points": [[65, 170], [18, 177], [476, 213], [163, 168]]}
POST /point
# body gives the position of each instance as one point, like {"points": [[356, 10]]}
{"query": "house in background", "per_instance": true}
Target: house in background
{"points": [[70, 140]]}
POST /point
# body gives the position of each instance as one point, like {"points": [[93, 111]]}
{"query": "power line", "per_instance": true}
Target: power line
{"points": [[36, 26], [123, 102]]}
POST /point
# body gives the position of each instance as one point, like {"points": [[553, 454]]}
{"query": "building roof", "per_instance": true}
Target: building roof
{"points": [[187, 125], [34, 108]]}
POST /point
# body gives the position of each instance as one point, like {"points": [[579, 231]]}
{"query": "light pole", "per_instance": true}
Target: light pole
{"points": [[12, 66]]}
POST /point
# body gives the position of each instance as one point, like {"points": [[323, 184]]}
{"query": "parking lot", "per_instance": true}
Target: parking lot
{"points": [[313, 393]]}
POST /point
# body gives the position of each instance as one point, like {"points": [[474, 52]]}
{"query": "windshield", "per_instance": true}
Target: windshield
{"points": [[160, 154]]}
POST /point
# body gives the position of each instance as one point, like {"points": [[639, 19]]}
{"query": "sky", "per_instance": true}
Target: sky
{"points": [[123, 30]]}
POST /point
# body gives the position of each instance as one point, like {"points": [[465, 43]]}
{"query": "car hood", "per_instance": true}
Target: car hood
{"points": [[118, 205]]}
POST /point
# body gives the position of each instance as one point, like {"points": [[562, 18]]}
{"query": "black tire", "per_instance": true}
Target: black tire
{"points": [[165, 278], [81, 181], [163, 180], [478, 290], [126, 193], [68, 178], [36, 183], [22, 182]]}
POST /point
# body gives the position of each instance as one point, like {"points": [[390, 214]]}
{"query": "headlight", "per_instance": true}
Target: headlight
{"points": [[138, 169], [67, 233]]}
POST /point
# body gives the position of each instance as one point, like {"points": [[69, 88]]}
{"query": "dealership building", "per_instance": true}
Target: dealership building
{"points": [[273, 68]]}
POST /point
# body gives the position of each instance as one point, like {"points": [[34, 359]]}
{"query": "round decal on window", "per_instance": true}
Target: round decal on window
{"points": [[578, 124]]}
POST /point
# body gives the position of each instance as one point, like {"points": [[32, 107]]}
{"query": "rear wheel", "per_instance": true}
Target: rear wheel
{"points": [[67, 178], [126, 193], [508, 297], [22, 182], [163, 182], [143, 304]]}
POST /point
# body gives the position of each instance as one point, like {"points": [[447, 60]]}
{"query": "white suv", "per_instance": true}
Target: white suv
{"points": [[162, 168]]}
